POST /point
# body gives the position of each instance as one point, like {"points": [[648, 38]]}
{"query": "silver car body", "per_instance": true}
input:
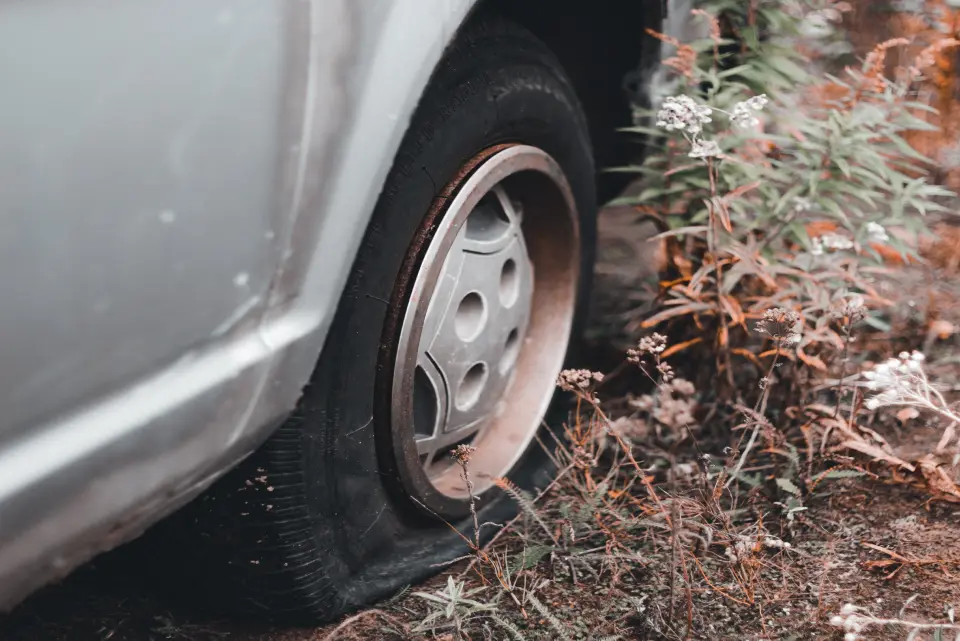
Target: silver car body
{"points": [[183, 187]]}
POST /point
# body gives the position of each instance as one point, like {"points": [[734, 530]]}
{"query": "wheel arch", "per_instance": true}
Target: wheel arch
{"points": [[378, 76]]}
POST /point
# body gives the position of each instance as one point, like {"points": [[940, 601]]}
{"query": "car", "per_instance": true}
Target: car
{"points": [[288, 254]]}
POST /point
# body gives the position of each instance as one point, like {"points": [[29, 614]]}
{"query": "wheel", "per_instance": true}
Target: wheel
{"points": [[452, 330]]}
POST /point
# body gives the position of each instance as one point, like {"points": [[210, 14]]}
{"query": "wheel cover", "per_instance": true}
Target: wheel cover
{"points": [[487, 321]]}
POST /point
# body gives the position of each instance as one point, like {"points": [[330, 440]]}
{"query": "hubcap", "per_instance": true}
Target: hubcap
{"points": [[472, 332], [487, 321]]}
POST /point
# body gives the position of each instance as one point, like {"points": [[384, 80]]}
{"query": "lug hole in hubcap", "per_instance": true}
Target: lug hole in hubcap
{"points": [[424, 404], [509, 283], [511, 350], [471, 386], [487, 222], [471, 316]]}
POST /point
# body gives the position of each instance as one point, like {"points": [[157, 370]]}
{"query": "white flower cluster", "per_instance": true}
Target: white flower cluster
{"points": [[897, 380], [781, 324], [836, 241], [831, 241], [743, 115], [686, 115], [801, 204], [851, 622], [704, 149], [876, 233], [682, 113]]}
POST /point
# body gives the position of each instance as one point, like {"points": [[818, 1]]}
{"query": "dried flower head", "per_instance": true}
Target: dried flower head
{"points": [[666, 372], [850, 309], [634, 429], [653, 344], [781, 324], [683, 113], [462, 453], [675, 412], [683, 387], [672, 408], [577, 380]]}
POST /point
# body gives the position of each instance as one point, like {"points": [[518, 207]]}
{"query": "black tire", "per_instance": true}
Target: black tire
{"points": [[311, 525]]}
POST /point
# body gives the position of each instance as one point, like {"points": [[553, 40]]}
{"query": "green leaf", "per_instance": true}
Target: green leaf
{"points": [[842, 165], [531, 556], [791, 70], [832, 207], [878, 323], [639, 129], [787, 485], [733, 71]]}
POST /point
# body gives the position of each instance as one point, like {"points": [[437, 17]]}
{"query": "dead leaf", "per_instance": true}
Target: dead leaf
{"points": [[783, 352], [739, 351], [733, 310], [670, 351], [937, 478], [719, 209], [672, 312], [875, 436], [811, 361], [741, 190], [876, 453]]}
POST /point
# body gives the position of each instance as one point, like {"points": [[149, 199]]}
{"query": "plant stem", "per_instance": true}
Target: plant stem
{"points": [[843, 367], [759, 407]]}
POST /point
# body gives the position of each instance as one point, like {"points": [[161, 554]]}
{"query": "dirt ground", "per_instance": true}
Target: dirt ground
{"points": [[881, 545]]}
